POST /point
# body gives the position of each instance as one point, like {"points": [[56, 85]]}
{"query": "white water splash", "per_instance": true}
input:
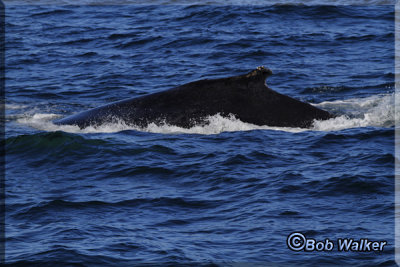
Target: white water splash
{"points": [[377, 111]]}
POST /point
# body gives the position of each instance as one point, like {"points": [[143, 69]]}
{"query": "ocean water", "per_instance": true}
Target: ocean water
{"points": [[225, 194]]}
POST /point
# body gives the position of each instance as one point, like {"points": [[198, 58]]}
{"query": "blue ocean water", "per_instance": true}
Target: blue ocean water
{"points": [[225, 193]]}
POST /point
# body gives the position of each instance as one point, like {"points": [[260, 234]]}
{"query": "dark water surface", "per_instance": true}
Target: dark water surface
{"points": [[224, 193]]}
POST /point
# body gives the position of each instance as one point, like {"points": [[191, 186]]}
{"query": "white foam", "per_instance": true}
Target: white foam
{"points": [[357, 112], [216, 124], [374, 111], [14, 106]]}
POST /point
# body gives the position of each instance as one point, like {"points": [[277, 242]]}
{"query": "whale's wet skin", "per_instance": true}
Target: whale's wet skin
{"points": [[107, 165], [246, 97]]}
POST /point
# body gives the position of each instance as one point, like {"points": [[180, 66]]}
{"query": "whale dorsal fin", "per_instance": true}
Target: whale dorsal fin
{"points": [[261, 72], [257, 77]]}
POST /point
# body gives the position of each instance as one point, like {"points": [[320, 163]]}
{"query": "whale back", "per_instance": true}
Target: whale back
{"points": [[247, 97]]}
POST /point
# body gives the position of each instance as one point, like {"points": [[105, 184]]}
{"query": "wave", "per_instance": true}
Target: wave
{"points": [[343, 88], [349, 184], [56, 12], [64, 205], [373, 111]]}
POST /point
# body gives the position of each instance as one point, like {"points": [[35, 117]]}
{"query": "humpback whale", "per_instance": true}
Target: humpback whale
{"points": [[247, 97]]}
